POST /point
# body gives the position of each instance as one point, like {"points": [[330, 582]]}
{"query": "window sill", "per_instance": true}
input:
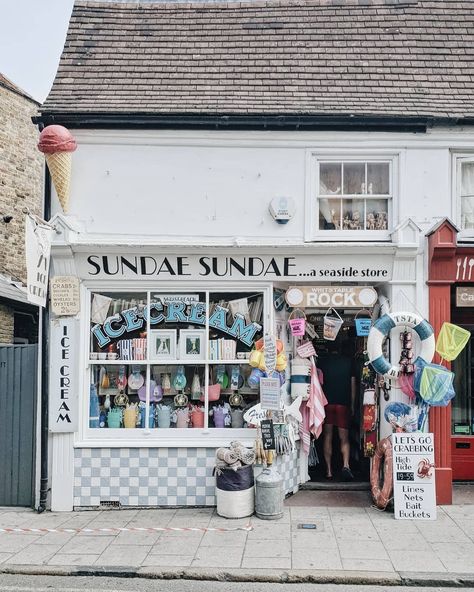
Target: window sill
{"points": [[352, 235]]}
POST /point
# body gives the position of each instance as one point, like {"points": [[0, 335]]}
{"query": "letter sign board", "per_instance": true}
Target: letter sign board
{"points": [[414, 476], [331, 296], [63, 400]]}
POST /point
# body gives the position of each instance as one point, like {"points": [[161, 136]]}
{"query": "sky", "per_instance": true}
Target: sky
{"points": [[32, 35]]}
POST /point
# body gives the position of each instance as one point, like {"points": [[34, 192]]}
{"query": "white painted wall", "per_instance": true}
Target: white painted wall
{"points": [[219, 184]]}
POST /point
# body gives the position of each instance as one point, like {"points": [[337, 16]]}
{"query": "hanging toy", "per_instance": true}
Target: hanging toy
{"points": [[179, 381], [196, 387], [406, 356]]}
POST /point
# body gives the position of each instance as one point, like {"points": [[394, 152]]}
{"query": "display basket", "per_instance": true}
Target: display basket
{"points": [[451, 341]]}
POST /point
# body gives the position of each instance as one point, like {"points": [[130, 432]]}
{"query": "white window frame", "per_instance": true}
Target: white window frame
{"points": [[313, 158], [458, 158], [87, 437]]}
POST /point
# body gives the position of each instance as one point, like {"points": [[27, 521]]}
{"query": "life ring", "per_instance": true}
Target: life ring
{"points": [[382, 495], [381, 329]]}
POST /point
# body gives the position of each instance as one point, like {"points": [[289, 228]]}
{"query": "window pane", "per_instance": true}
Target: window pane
{"points": [[329, 214], [354, 178], [114, 395], [118, 326], [378, 178], [231, 389], [353, 217], [467, 178], [376, 214], [177, 326], [467, 212], [330, 178]]}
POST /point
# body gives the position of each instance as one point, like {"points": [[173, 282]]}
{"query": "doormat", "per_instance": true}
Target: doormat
{"points": [[125, 529]]}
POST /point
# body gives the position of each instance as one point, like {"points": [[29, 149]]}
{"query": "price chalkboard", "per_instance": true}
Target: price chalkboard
{"points": [[268, 434]]}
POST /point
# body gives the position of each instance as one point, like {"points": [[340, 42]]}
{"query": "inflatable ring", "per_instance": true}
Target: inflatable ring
{"points": [[382, 495], [381, 329]]}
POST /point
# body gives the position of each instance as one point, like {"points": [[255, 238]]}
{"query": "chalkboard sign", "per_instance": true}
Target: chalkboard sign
{"points": [[268, 435]]}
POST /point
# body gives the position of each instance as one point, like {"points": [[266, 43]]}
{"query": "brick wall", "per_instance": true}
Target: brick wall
{"points": [[6, 324], [21, 178]]}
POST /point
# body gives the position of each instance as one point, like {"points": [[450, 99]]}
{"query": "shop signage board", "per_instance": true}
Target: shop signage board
{"points": [[63, 399], [331, 296], [270, 393], [464, 296], [414, 476], [294, 268], [38, 238], [268, 434], [64, 294]]}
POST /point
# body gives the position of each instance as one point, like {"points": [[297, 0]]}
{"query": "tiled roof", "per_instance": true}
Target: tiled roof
{"points": [[8, 84], [359, 57]]}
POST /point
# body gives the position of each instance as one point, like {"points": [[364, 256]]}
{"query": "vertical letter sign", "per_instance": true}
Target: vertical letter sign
{"points": [[37, 247], [414, 476], [62, 376]]}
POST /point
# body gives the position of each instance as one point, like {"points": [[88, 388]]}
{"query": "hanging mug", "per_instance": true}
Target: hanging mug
{"points": [[297, 323]]}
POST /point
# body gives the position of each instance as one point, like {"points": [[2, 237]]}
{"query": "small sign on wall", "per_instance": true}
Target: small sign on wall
{"points": [[414, 476], [268, 434], [270, 393], [64, 294], [63, 399]]}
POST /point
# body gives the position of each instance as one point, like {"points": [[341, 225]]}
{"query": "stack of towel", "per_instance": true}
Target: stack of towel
{"points": [[234, 457]]}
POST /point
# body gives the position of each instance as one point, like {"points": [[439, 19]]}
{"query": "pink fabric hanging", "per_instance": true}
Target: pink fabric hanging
{"points": [[312, 410]]}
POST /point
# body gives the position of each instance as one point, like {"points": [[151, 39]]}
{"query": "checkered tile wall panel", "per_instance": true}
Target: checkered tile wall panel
{"points": [[155, 476]]}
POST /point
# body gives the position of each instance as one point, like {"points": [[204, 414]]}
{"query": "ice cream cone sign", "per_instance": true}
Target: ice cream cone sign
{"points": [[57, 145]]}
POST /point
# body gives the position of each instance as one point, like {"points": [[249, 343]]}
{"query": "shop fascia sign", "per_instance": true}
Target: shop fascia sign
{"points": [[331, 296], [136, 318], [298, 267]]}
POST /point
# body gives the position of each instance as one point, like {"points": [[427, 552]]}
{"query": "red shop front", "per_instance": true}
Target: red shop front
{"points": [[451, 294]]}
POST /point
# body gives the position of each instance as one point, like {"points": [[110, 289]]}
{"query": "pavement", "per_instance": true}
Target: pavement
{"points": [[351, 543]]}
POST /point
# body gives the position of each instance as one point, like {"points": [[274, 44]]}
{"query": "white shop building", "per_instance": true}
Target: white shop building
{"points": [[182, 267]]}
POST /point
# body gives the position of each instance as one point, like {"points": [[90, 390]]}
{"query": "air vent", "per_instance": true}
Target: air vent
{"points": [[109, 504]]}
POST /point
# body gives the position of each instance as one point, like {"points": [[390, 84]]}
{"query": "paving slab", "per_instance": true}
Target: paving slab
{"points": [[368, 564], [366, 550], [317, 559], [218, 557], [87, 545], [167, 561], [34, 554], [70, 559], [414, 560], [123, 555]]}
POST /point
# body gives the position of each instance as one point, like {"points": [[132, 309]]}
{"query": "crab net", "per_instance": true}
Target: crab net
{"points": [[436, 385], [451, 341]]}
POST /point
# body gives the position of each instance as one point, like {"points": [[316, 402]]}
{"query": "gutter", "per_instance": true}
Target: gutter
{"points": [[343, 122], [44, 478]]}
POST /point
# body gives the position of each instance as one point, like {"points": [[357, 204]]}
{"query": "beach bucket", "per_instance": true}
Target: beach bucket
{"points": [[332, 325], [363, 324], [114, 418], [219, 417], [163, 415], [130, 417], [197, 417], [237, 416], [182, 416], [297, 323]]}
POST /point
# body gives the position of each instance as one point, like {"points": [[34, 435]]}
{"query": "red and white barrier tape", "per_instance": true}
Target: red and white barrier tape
{"points": [[12, 530]]}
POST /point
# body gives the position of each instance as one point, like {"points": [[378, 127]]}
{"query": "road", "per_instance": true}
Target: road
{"points": [[21, 583]]}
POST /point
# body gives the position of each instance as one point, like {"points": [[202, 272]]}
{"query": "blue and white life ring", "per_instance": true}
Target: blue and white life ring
{"points": [[381, 329]]}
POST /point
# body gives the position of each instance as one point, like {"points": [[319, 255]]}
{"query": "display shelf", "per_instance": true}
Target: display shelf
{"points": [[118, 362], [227, 362]]}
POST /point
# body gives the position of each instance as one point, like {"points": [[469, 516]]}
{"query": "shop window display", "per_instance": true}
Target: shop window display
{"points": [[467, 194], [172, 360], [354, 196]]}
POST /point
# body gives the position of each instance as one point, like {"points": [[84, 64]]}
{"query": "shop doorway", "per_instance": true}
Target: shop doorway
{"points": [[341, 444]]}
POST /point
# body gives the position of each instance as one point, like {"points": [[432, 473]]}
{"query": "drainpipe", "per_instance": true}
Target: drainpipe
{"points": [[44, 368]]}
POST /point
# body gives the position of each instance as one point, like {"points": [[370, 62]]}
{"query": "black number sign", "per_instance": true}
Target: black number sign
{"points": [[268, 435], [406, 476]]}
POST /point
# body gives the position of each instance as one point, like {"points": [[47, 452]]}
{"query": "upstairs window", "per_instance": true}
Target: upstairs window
{"points": [[352, 199], [465, 194]]}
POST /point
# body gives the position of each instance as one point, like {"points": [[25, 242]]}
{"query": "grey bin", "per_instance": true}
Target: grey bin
{"points": [[269, 495]]}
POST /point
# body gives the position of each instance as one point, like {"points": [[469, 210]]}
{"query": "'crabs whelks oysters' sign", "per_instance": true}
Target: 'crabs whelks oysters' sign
{"points": [[414, 476], [331, 296]]}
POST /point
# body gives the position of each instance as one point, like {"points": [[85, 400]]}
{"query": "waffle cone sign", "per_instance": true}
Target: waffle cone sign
{"points": [[60, 165]]}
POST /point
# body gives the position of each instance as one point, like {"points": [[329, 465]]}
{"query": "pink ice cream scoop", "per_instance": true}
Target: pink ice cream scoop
{"points": [[57, 144], [56, 138]]}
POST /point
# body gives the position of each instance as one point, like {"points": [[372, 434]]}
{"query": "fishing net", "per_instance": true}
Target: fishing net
{"points": [[436, 385], [405, 382], [451, 341]]}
